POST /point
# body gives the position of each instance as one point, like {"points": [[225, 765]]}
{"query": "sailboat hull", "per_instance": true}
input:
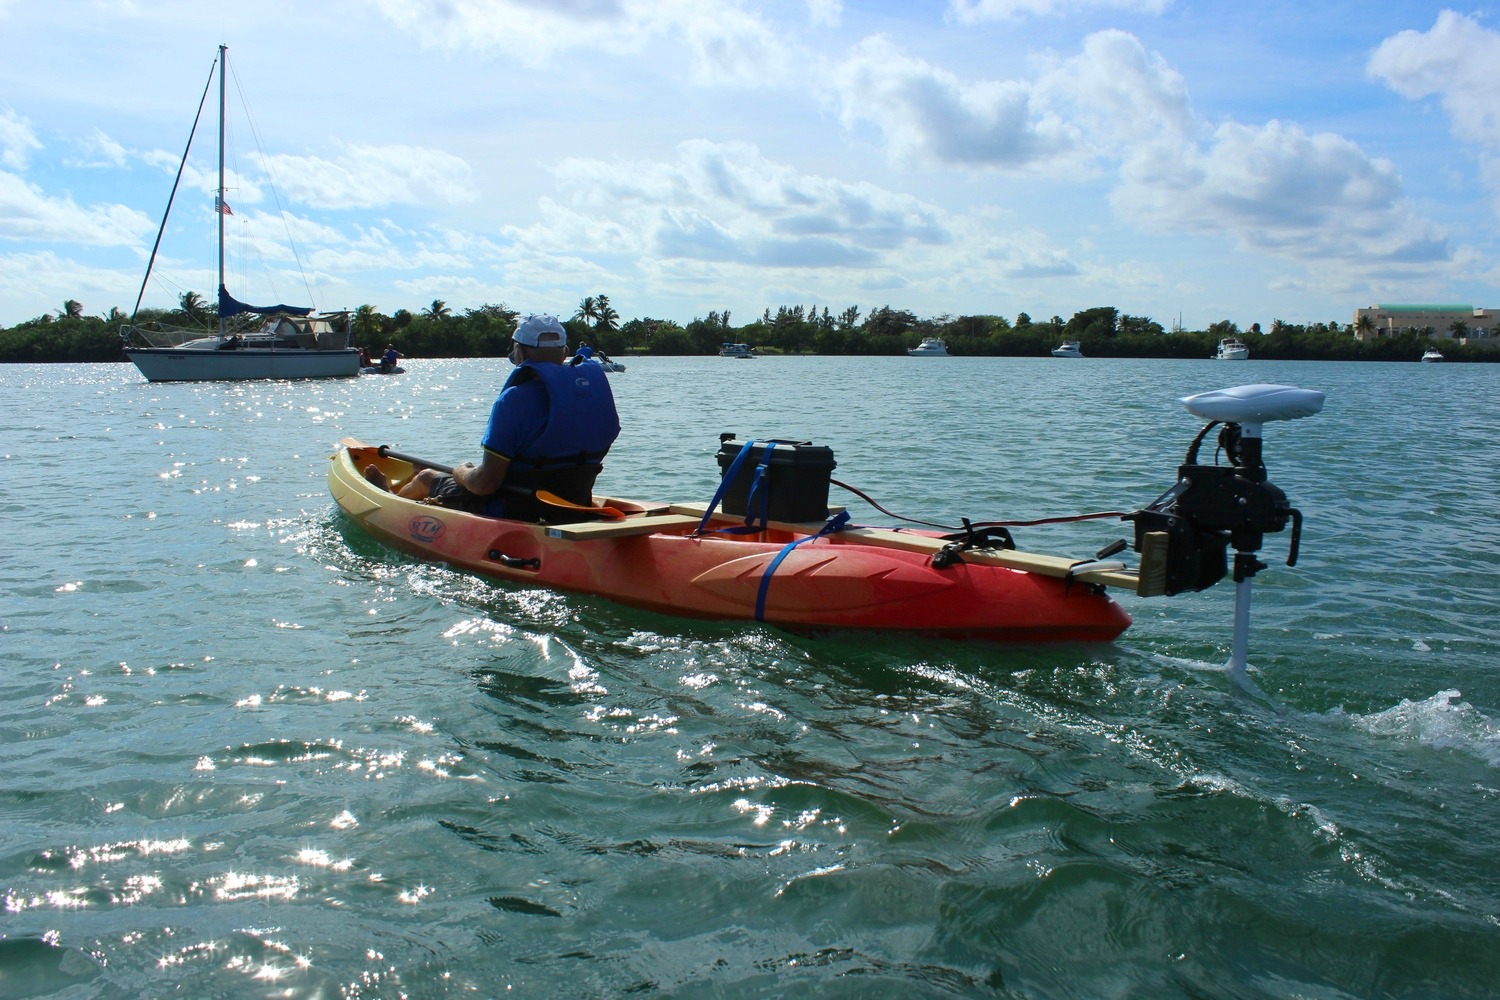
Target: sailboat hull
{"points": [[169, 364]]}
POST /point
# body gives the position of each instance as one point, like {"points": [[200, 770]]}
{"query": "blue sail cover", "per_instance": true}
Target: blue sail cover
{"points": [[230, 306]]}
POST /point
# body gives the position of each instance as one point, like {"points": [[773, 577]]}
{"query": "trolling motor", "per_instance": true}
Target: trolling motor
{"points": [[1183, 534]]}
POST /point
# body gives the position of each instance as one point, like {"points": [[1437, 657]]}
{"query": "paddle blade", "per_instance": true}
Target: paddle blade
{"points": [[553, 500]]}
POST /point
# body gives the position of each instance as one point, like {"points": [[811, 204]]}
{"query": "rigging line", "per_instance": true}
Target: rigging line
{"points": [[171, 197], [1061, 519]]}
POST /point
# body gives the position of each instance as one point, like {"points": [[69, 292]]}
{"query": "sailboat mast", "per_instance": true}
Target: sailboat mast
{"points": [[219, 205]]}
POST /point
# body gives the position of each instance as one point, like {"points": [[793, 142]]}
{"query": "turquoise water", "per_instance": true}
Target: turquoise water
{"points": [[249, 752]]}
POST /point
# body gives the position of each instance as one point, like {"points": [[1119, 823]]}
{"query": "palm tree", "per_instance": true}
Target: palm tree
{"points": [[73, 309], [366, 323], [191, 303], [1364, 325], [1459, 329], [588, 309], [607, 319], [438, 310]]}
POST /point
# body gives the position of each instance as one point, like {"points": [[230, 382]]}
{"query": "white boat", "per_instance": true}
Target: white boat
{"points": [[286, 342], [1068, 349], [1432, 354], [737, 351], [930, 347], [1232, 349]]}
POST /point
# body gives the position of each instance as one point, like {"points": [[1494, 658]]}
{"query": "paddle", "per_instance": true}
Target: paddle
{"points": [[386, 451], [545, 496]]}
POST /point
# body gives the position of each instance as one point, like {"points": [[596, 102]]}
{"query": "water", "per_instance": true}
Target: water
{"points": [[249, 752]]}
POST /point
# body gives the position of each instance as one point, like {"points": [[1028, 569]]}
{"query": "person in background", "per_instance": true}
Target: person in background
{"points": [[584, 353], [388, 359], [364, 357], [549, 429]]}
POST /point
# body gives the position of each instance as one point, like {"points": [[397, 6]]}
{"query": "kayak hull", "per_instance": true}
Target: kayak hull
{"points": [[836, 581]]}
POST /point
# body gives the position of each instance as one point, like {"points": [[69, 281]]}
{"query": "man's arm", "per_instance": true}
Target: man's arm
{"points": [[484, 478]]}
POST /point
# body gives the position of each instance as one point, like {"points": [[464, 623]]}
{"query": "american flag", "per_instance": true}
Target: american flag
{"points": [[223, 206]]}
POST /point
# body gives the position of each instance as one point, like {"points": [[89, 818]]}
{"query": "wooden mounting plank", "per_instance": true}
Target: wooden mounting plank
{"points": [[648, 525], [805, 527], [1030, 562]]}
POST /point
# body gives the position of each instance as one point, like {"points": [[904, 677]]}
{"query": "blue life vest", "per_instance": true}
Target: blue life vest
{"points": [[566, 458]]}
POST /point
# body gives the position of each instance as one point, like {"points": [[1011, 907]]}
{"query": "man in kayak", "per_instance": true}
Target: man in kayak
{"points": [[388, 359], [549, 429]]}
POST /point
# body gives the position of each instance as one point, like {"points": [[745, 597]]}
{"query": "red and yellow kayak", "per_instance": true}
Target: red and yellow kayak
{"points": [[655, 557]]}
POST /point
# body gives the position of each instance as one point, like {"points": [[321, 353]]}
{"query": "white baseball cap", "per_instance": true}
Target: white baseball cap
{"points": [[541, 330]]}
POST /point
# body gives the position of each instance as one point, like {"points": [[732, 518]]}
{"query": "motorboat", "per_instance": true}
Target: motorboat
{"points": [[737, 351], [1432, 354], [287, 342], [1068, 349], [930, 347], [1232, 349], [808, 566]]}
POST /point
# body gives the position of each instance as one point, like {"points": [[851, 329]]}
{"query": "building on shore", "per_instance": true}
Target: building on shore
{"points": [[1460, 323]]}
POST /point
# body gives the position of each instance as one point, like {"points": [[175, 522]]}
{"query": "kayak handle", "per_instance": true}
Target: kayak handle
{"points": [[513, 562]]}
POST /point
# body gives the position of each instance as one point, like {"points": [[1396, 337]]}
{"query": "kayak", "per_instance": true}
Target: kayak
{"points": [[377, 370], [695, 560]]}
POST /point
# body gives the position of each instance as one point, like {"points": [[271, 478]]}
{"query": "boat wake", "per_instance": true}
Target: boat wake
{"points": [[1443, 722]]}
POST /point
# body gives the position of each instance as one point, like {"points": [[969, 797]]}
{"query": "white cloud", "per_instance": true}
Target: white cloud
{"points": [[1116, 93], [926, 114], [972, 11], [725, 41], [99, 150], [46, 281], [1318, 199], [722, 216], [726, 202], [16, 140], [1459, 62], [366, 176], [1315, 199], [825, 13], [28, 214]]}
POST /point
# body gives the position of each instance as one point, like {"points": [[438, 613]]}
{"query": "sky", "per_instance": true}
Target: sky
{"points": [[1186, 161]]}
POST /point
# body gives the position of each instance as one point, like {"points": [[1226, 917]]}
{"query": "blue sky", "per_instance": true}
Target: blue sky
{"points": [[1201, 160]]}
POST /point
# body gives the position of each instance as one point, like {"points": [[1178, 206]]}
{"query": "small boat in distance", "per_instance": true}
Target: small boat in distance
{"points": [[1432, 354], [1068, 349], [930, 347], [1232, 349], [287, 342], [737, 351]]}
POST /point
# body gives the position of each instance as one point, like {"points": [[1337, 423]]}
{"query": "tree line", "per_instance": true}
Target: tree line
{"points": [[437, 331]]}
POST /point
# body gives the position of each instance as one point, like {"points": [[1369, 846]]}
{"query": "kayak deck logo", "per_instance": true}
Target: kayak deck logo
{"points": [[425, 529]]}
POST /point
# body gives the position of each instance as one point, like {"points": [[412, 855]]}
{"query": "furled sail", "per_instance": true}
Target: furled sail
{"points": [[230, 306]]}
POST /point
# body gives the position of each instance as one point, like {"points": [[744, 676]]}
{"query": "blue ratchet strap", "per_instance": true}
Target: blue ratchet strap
{"points": [[835, 523], [760, 490], [726, 480]]}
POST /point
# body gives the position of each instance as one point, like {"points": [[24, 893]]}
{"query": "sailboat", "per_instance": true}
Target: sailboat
{"points": [[251, 342]]}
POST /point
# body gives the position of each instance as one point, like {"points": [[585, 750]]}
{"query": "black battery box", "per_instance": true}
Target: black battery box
{"points": [[795, 482]]}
